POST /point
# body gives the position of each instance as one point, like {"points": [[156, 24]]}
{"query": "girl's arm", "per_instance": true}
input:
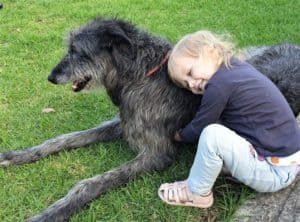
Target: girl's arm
{"points": [[212, 105]]}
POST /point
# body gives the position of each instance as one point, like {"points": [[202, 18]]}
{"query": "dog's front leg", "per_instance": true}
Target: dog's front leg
{"points": [[87, 190], [107, 131]]}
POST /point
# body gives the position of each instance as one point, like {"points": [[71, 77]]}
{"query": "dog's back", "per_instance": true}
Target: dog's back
{"points": [[280, 63]]}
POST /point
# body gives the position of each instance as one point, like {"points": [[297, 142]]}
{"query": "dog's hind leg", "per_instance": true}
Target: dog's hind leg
{"points": [[105, 132], [89, 189]]}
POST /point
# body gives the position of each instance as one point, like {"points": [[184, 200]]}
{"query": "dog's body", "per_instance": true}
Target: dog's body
{"points": [[115, 54]]}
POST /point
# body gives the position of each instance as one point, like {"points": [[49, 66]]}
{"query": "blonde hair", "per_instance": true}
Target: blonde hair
{"points": [[194, 45]]}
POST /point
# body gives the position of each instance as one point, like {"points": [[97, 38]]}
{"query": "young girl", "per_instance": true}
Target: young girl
{"points": [[245, 124]]}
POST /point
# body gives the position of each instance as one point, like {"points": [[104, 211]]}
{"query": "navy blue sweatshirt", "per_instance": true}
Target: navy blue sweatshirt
{"points": [[247, 102]]}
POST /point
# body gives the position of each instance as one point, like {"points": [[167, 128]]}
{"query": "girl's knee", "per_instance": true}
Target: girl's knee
{"points": [[211, 128], [212, 131], [210, 135], [220, 140]]}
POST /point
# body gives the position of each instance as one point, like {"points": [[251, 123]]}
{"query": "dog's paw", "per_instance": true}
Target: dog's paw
{"points": [[4, 162]]}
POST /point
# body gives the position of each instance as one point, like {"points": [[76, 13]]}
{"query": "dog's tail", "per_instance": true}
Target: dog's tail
{"points": [[89, 189]]}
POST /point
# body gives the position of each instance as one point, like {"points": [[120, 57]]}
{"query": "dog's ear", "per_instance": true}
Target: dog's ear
{"points": [[116, 39]]}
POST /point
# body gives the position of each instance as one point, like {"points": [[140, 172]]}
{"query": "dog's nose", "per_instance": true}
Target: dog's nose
{"points": [[52, 79]]}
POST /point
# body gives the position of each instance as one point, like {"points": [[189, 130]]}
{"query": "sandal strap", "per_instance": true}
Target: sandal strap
{"points": [[178, 192], [183, 193]]}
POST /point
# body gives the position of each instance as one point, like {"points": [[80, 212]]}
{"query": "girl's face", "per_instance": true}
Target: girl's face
{"points": [[193, 73]]}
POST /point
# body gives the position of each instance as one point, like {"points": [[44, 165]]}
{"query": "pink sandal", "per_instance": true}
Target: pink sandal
{"points": [[179, 194]]}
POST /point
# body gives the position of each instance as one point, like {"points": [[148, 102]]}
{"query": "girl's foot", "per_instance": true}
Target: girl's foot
{"points": [[179, 194]]}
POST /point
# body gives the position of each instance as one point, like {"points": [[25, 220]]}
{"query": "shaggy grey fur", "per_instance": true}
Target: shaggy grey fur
{"points": [[281, 64], [117, 55]]}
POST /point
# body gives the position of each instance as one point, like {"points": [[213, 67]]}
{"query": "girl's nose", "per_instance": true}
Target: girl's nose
{"points": [[191, 84], [194, 83]]}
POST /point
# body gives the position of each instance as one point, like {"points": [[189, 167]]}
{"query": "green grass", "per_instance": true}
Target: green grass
{"points": [[31, 43]]}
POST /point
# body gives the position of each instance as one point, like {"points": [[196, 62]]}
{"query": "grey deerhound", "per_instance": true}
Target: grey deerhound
{"points": [[117, 55]]}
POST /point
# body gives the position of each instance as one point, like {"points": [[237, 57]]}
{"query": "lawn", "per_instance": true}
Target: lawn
{"points": [[32, 41]]}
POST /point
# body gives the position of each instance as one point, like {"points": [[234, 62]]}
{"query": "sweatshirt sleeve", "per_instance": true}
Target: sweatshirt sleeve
{"points": [[212, 105]]}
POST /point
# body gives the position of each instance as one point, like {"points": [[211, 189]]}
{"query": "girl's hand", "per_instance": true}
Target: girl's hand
{"points": [[177, 136]]}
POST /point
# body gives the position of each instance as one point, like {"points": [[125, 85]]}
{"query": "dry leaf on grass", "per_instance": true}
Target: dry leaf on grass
{"points": [[48, 110]]}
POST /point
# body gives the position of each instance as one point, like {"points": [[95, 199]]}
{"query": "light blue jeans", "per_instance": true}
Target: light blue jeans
{"points": [[220, 147]]}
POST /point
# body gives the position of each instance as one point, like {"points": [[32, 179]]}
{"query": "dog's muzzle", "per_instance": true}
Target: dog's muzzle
{"points": [[52, 79]]}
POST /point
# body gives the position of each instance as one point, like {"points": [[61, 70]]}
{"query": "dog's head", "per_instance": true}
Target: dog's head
{"points": [[93, 54]]}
